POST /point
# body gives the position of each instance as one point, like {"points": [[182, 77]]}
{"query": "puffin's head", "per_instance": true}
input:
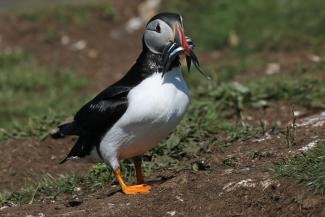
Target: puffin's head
{"points": [[162, 29], [164, 34]]}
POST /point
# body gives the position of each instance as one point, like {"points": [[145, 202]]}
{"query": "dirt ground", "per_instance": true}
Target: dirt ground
{"points": [[244, 187]]}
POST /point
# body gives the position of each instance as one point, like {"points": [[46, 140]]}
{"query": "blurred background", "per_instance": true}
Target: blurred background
{"points": [[266, 59]]}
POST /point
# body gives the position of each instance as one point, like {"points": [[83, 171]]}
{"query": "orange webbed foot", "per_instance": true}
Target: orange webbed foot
{"points": [[136, 189], [131, 189]]}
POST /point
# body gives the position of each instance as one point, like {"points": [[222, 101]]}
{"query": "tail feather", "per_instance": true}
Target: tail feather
{"points": [[64, 160], [68, 158], [65, 130], [81, 148]]}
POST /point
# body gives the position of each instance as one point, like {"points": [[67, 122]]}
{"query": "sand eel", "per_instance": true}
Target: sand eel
{"points": [[134, 114]]}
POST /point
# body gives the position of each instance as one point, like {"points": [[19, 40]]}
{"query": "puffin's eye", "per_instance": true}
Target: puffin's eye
{"points": [[158, 29]]}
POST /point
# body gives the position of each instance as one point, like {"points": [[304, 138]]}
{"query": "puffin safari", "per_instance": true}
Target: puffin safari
{"points": [[134, 114]]}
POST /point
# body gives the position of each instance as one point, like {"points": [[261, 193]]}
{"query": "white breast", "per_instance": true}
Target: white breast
{"points": [[155, 107]]}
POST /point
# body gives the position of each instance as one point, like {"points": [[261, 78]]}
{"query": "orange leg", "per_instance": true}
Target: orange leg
{"points": [[138, 170], [132, 189]]}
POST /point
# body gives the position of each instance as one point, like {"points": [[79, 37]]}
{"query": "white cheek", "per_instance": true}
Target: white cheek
{"points": [[157, 41]]}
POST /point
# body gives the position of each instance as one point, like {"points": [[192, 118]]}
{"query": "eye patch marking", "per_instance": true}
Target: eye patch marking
{"points": [[158, 29]]}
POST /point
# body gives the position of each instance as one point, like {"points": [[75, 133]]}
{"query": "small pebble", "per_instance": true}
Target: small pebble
{"points": [[171, 213], [79, 45], [272, 68], [65, 40]]}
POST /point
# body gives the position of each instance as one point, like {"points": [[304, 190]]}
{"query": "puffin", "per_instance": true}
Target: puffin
{"points": [[135, 113]]}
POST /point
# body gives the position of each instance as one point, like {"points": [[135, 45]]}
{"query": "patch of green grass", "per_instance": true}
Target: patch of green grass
{"points": [[235, 64], [38, 126], [302, 91], [258, 25], [302, 85], [71, 13], [33, 98], [52, 188], [306, 168]]}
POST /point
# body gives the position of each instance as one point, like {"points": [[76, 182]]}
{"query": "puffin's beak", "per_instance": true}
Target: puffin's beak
{"points": [[181, 39], [181, 44], [188, 50]]}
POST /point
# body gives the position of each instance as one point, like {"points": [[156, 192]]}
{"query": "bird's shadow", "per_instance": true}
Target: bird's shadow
{"points": [[159, 180]]}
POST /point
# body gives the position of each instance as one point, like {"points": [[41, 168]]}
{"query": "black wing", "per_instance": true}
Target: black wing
{"points": [[98, 115], [93, 120]]}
